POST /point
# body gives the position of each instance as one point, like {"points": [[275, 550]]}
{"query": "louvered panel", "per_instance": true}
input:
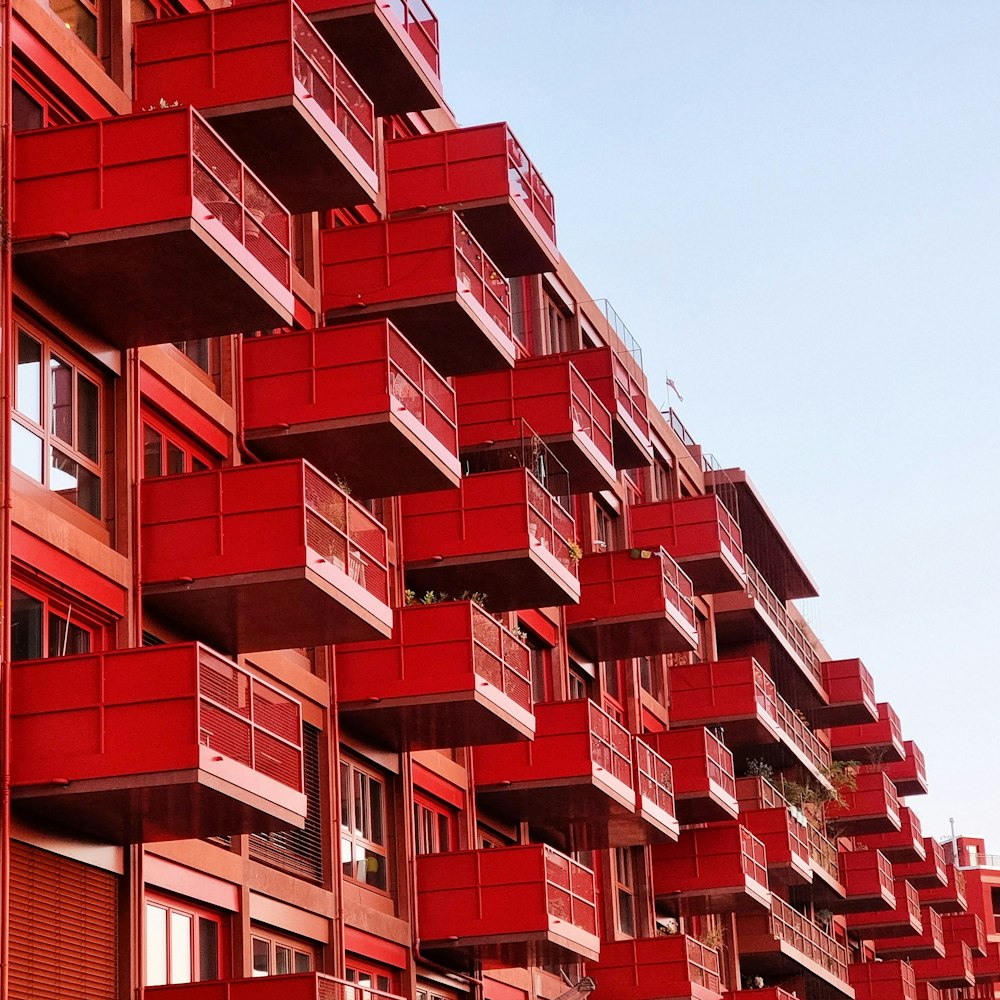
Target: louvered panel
{"points": [[63, 930]]}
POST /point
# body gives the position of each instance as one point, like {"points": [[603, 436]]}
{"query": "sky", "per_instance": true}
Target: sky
{"points": [[794, 205]]}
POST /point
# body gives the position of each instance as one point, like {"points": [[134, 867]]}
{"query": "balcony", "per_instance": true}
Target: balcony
{"points": [[450, 675], [968, 927], [484, 173], [652, 968], [358, 402], [274, 90], [871, 807], [929, 943], [903, 845], [713, 869], [637, 602], [576, 779], [986, 969], [432, 279], [553, 397], [704, 781], [160, 198], [879, 742], [785, 836], [739, 615], [926, 991], [883, 981], [910, 774], [392, 49], [269, 556], [512, 906], [739, 696], [700, 533], [298, 986], [898, 921], [851, 692], [655, 808], [949, 898], [502, 533], [931, 873], [953, 971], [868, 882], [620, 383], [784, 942], [156, 743], [825, 860]]}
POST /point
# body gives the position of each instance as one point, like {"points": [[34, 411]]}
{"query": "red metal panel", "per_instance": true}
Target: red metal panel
{"points": [[955, 970], [450, 675], [704, 781], [884, 739], [299, 986], [786, 841], [967, 927], [120, 741], [653, 780], [432, 279], [868, 881], [654, 968], [851, 691], [908, 775], [949, 898], [905, 844], [871, 807], [358, 402], [883, 981], [927, 874], [160, 198], [902, 919], [928, 943], [274, 90]]}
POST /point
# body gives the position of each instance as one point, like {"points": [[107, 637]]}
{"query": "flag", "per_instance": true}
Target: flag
{"points": [[671, 384]]}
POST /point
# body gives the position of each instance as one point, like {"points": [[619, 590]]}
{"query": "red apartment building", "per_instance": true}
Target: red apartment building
{"points": [[370, 633]]}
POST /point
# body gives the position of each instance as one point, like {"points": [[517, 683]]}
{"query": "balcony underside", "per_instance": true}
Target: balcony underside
{"points": [[712, 572], [631, 445], [562, 944], [589, 471], [711, 805], [511, 237], [661, 631], [745, 896], [772, 958]]}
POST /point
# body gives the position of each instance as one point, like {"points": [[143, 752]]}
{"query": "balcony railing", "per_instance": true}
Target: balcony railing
{"points": [[851, 692], [824, 852], [883, 980], [297, 986], [882, 738], [479, 276], [526, 184], [421, 26], [800, 933], [654, 784]]}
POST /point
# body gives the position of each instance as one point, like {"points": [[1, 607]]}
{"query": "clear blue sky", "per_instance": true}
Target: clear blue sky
{"points": [[795, 206]]}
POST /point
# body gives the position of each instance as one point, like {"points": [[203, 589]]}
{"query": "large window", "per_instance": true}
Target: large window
{"points": [[363, 826], [166, 451], [278, 955], [82, 17], [183, 942], [368, 976], [57, 423]]}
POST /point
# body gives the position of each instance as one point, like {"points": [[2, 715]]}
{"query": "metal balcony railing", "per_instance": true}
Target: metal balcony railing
{"points": [[656, 777], [421, 25], [824, 852], [678, 588], [753, 857], [499, 657], [589, 413], [610, 745], [719, 763], [570, 891], [478, 275], [703, 965], [804, 936], [527, 186]]}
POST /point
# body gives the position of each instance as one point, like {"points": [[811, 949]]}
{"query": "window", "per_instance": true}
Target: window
{"points": [[651, 676], [607, 529], [35, 105], [82, 18], [613, 674], [624, 876], [42, 625], [57, 429], [519, 314], [433, 825], [205, 354], [538, 663], [363, 826], [367, 975], [557, 326], [167, 452], [277, 955], [183, 942]]}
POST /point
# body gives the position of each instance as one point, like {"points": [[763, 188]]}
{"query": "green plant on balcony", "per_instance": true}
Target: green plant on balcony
{"points": [[411, 597], [757, 768], [574, 550]]}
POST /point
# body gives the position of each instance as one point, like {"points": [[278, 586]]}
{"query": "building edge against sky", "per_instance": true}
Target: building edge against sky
{"points": [[371, 633]]}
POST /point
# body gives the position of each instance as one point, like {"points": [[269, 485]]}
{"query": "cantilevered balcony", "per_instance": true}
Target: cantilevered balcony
{"points": [[392, 48], [763, 993], [576, 779], [879, 742], [513, 906], [432, 279], [700, 533], [713, 869], [149, 229], [655, 807], [953, 971], [927, 991], [903, 845], [297, 986], [929, 942], [502, 533], [274, 90], [784, 942], [620, 383], [653, 968], [450, 675], [871, 807], [883, 980], [551, 395], [897, 921], [155, 743], [786, 840], [986, 968], [967, 927], [483, 173], [267, 556], [704, 780], [949, 898], [868, 882], [825, 858], [851, 692], [931, 872], [740, 697], [358, 402], [910, 774], [637, 602]]}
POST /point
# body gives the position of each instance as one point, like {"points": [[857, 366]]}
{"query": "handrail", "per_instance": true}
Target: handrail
{"points": [[719, 763], [423, 31], [824, 852], [798, 931], [481, 277], [754, 856], [527, 185], [610, 744], [499, 657], [703, 965], [678, 588]]}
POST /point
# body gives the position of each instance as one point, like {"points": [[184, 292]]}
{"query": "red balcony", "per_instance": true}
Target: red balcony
{"points": [[868, 881], [883, 981], [740, 696], [502, 534], [358, 402], [514, 906], [872, 807], [655, 808], [704, 781], [638, 602], [826, 865], [554, 398], [910, 774], [903, 845], [482, 172], [712, 869], [786, 840], [764, 993], [274, 91], [968, 927], [620, 383], [929, 943], [392, 48], [298, 986], [784, 942], [160, 198], [931, 873], [270, 556], [851, 693], [700, 533], [449, 676], [953, 971], [902, 919], [432, 279], [653, 968], [156, 743], [949, 898], [987, 968], [926, 991], [576, 778], [879, 742]]}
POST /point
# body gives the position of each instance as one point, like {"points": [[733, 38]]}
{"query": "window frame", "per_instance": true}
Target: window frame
{"points": [[298, 947], [435, 825], [59, 606], [197, 913], [358, 845], [194, 458], [625, 891]]}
